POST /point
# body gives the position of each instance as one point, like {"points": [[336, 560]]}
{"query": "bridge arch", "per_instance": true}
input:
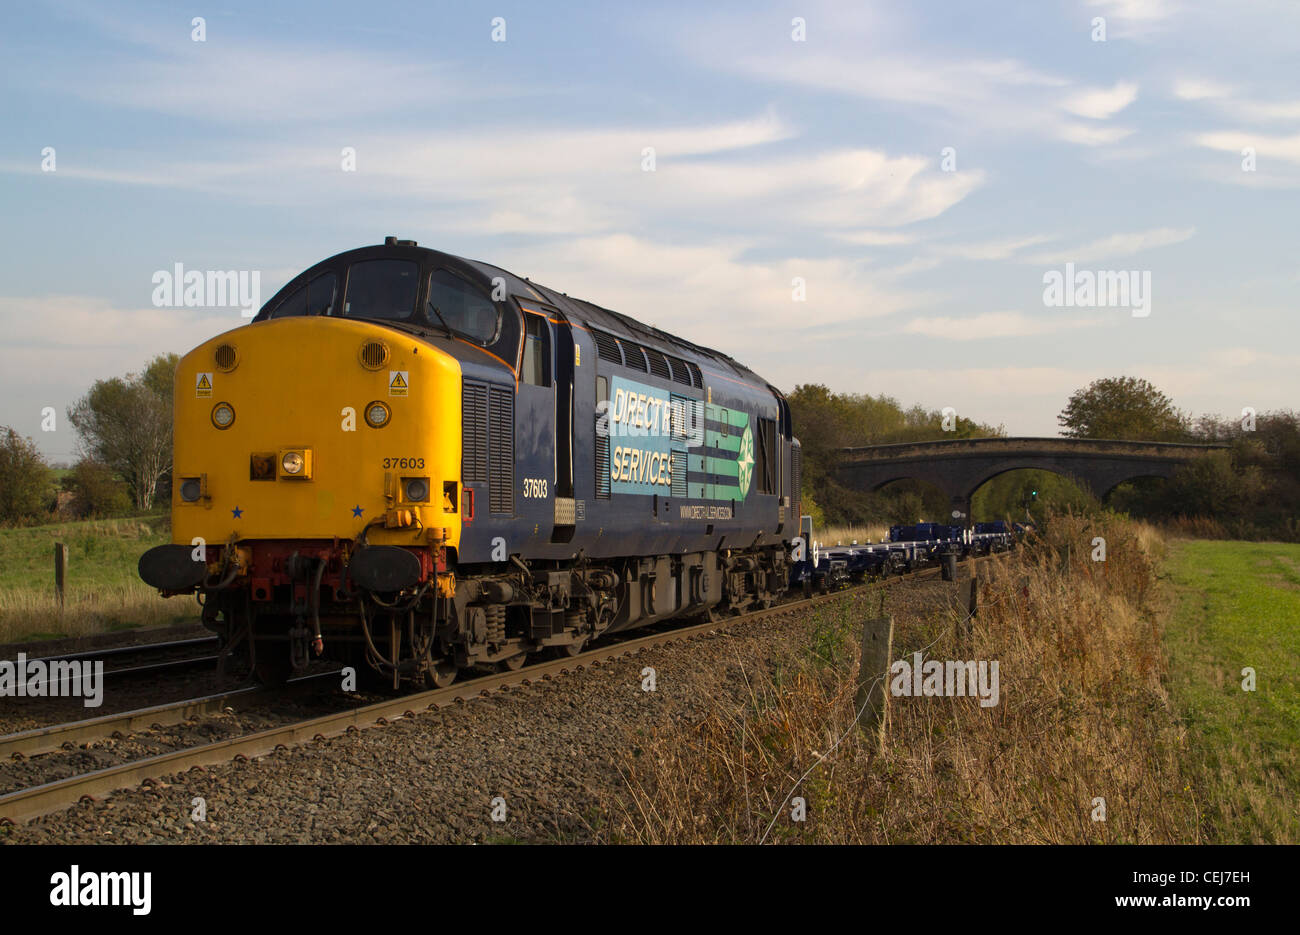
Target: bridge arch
{"points": [[961, 466]]}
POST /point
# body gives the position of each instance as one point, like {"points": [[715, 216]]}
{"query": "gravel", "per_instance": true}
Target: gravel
{"points": [[545, 753]]}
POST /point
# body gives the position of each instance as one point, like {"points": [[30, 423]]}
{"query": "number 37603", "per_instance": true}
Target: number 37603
{"points": [[534, 487]]}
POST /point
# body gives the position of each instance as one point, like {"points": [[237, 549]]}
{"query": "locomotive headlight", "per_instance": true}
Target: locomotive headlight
{"points": [[191, 489], [292, 463], [377, 415], [416, 489], [223, 415]]}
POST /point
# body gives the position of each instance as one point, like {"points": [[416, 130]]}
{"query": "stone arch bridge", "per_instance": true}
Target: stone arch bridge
{"points": [[959, 466]]}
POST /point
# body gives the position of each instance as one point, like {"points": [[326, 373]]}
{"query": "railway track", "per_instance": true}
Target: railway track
{"points": [[55, 737], [132, 661], [25, 804]]}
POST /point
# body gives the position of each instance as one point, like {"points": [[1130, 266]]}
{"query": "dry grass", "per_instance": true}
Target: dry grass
{"points": [[104, 591], [1082, 715], [27, 613]]}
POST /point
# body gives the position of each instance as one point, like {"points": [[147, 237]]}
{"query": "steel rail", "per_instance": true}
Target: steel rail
{"points": [[92, 654], [50, 739]]}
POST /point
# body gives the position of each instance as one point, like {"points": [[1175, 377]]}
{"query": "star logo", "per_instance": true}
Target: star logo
{"points": [[236, 512], [745, 462], [357, 511]]}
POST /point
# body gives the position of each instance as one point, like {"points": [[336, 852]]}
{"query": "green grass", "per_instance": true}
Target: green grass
{"points": [[100, 552], [1237, 605], [103, 591]]}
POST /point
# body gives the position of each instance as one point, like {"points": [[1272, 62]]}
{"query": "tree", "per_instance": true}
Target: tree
{"points": [[126, 424], [96, 489], [1122, 408], [24, 477]]}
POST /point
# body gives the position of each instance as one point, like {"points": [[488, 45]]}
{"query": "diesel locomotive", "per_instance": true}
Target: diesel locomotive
{"points": [[414, 463]]}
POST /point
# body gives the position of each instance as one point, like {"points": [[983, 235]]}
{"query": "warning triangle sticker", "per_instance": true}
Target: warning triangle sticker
{"points": [[204, 382], [397, 382]]}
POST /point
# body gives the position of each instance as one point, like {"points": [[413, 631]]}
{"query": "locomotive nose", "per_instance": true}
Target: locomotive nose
{"points": [[315, 427]]}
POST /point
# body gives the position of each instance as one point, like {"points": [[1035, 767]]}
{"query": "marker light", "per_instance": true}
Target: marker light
{"points": [[377, 415], [191, 488], [223, 415]]}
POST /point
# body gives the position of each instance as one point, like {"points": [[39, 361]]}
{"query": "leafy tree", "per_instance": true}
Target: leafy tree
{"points": [[1122, 408], [826, 421], [24, 478], [96, 489], [126, 424]]}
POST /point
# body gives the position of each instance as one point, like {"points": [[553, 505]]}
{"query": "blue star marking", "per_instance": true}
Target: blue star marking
{"points": [[357, 511], [236, 512]]}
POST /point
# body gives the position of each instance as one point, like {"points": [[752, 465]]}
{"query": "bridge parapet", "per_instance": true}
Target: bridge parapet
{"points": [[1021, 446]]}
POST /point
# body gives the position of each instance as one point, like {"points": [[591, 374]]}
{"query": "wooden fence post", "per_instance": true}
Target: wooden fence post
{"points": [[873, 678], [60, 572]]}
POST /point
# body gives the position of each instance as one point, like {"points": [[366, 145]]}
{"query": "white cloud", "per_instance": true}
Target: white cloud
{"points": [[1133, 19], [870, 238], [1266, 147], [711, 294], [994, 325], [56, 346], [1101, 103], [1116, 245], [1086, 135], [1138, 10], [993, 249], [1199, 89], [583, 181]]}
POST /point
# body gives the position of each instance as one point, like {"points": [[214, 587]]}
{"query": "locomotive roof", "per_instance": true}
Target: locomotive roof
{"points": [[587, 313]]}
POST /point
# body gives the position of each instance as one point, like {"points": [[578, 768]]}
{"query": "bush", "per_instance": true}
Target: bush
{"points": [[97, 490], [24, 479]]}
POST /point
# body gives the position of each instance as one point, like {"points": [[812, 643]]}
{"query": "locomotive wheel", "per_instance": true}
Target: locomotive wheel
{"points": [[514, 663], [441, 674], [573, 649]]}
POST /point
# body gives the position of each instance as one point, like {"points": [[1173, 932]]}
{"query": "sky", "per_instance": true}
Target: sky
{"points": [[874, 196]]}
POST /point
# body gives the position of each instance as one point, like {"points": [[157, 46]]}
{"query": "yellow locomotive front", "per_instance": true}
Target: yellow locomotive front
{"points": [[313, 456]]}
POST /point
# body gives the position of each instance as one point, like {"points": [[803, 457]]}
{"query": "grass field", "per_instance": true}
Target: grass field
{"points": [[102, 592], [1237, 605]]}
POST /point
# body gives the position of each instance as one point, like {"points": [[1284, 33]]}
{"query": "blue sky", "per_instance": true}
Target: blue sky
{"points": [[821, 160]]}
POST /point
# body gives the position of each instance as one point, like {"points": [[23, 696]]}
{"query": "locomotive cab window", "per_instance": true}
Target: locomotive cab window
{"points": [[462, 307], [321, 293], [382, 289], [537, 351], [293, 306]]}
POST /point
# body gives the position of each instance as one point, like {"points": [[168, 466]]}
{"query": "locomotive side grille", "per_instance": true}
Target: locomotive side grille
{"points": [[681, 373], [602, 464], [634, 355], [607, 347], [474, 433], [658, 364], [697, 378], [679, 473], [501, 450]]}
